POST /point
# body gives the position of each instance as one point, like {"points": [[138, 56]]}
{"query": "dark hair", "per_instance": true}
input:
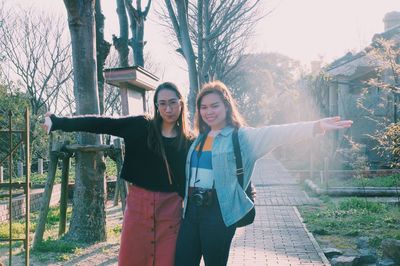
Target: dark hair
{"points": [[233, 116], [154, 140]]}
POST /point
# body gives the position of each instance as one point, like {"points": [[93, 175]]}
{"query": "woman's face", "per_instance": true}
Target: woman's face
{"points": [[213, 111], [169, 106]]}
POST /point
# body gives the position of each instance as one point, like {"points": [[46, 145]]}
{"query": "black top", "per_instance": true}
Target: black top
{"points": [[142, 167]]}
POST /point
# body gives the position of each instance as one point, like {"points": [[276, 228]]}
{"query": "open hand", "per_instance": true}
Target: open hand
{"points": [[332, 123], [47, 123]]}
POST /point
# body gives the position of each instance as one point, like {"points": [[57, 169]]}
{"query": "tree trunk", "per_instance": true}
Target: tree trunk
{"points": [[137, 18], [200, 40], [218, 29], [121, 42], [189, 55], [137, 42], [103, 49], [88, 216]]}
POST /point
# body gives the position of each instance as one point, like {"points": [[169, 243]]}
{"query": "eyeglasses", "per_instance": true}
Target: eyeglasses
{"points": [[171, 103]]}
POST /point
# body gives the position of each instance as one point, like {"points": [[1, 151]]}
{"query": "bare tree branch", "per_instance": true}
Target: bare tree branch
{"points": [[216, 30], [35, 51]]}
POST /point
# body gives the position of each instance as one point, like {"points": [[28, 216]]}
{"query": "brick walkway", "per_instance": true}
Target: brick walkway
{"points": [[278, 236]]}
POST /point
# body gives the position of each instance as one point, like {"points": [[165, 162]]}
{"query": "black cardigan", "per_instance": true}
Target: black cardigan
{"points": [[142, 167]]}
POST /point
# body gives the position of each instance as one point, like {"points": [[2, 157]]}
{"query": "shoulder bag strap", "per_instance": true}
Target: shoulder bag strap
{"points": [[238, 156]]}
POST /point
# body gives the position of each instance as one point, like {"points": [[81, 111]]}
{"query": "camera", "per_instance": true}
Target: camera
{"points": [[202, 197]]}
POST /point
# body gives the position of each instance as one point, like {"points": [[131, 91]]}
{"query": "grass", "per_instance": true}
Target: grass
{"points": [[61, 249], [344, 221], [52, 247], [59, 246], [17, 230], [381, 181], [40, 179], [35, 178], [18, 226]]}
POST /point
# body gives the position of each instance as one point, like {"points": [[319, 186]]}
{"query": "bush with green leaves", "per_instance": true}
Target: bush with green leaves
{"points": [[389, 144]]}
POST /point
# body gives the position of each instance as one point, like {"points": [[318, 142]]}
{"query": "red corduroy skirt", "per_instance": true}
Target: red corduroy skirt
{"points": [[150, 228]]}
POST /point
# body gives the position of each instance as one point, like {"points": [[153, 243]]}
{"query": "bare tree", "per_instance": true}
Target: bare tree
{"points": [[112, 97], [386, 54], [178, 15], [121, 42], [88, 217], [36, 62], [379, 98], [103, 49], [35, 53], [211, 36], [265, 88], [137, 17]]}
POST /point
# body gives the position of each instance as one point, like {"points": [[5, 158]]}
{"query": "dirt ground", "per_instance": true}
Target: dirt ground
{"points": [[104, 253]]}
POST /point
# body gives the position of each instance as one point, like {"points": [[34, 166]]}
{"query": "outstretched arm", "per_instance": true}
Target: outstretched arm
{"points": [[264, 139], [94, 124]]}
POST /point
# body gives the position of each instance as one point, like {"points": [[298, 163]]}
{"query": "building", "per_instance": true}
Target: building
{"points": [[347, 93]]}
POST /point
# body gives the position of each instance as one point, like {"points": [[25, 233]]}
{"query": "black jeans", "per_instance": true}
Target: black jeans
{"points": [[203, 233]]}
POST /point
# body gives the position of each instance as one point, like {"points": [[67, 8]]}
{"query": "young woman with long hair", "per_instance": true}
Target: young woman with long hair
{"points": [[215, 201], [154, 163]]}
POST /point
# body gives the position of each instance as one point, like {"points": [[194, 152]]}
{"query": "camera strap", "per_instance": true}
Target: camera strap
{"points": [[199, 152]]}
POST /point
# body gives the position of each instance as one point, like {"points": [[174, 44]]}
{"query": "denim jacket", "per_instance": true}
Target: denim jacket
{"points": [[254, 143]]}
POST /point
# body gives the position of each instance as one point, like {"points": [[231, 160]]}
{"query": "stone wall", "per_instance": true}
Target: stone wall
{"points": [[18, 203]]}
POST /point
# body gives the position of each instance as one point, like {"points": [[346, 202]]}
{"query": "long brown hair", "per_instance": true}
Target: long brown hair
{"points": [[154, 140], [233, 117]]}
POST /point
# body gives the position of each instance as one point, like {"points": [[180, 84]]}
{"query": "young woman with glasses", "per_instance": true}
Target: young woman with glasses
{"points": [[214, 200], [154, 163]]}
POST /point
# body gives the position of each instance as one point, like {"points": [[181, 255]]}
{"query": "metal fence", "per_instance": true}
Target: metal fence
{"points": [[14, 151]]}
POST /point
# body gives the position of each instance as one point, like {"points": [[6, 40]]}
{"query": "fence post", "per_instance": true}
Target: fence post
{"points": [[40, 166], [44, 209], [311, 176], [1, 174], [324, 176], [122, 190], [116, 193], [20, 169], [27, 188], [64, 193]]}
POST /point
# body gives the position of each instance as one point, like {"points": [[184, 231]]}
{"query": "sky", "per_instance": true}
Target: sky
{"points": [[304, 30]]}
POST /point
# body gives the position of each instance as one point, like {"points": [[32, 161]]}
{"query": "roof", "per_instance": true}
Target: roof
{"points": [[351, 64], [130, 77]]}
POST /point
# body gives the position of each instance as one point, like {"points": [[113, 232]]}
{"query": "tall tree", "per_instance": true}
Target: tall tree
{"points": [[378, 102], [121, 42], [211, 36], [88, 217], [35, 55], [103, 49], [265, 87], [137, 16], [36, 63], [112, 99], [179, 19], [386, 55]]}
